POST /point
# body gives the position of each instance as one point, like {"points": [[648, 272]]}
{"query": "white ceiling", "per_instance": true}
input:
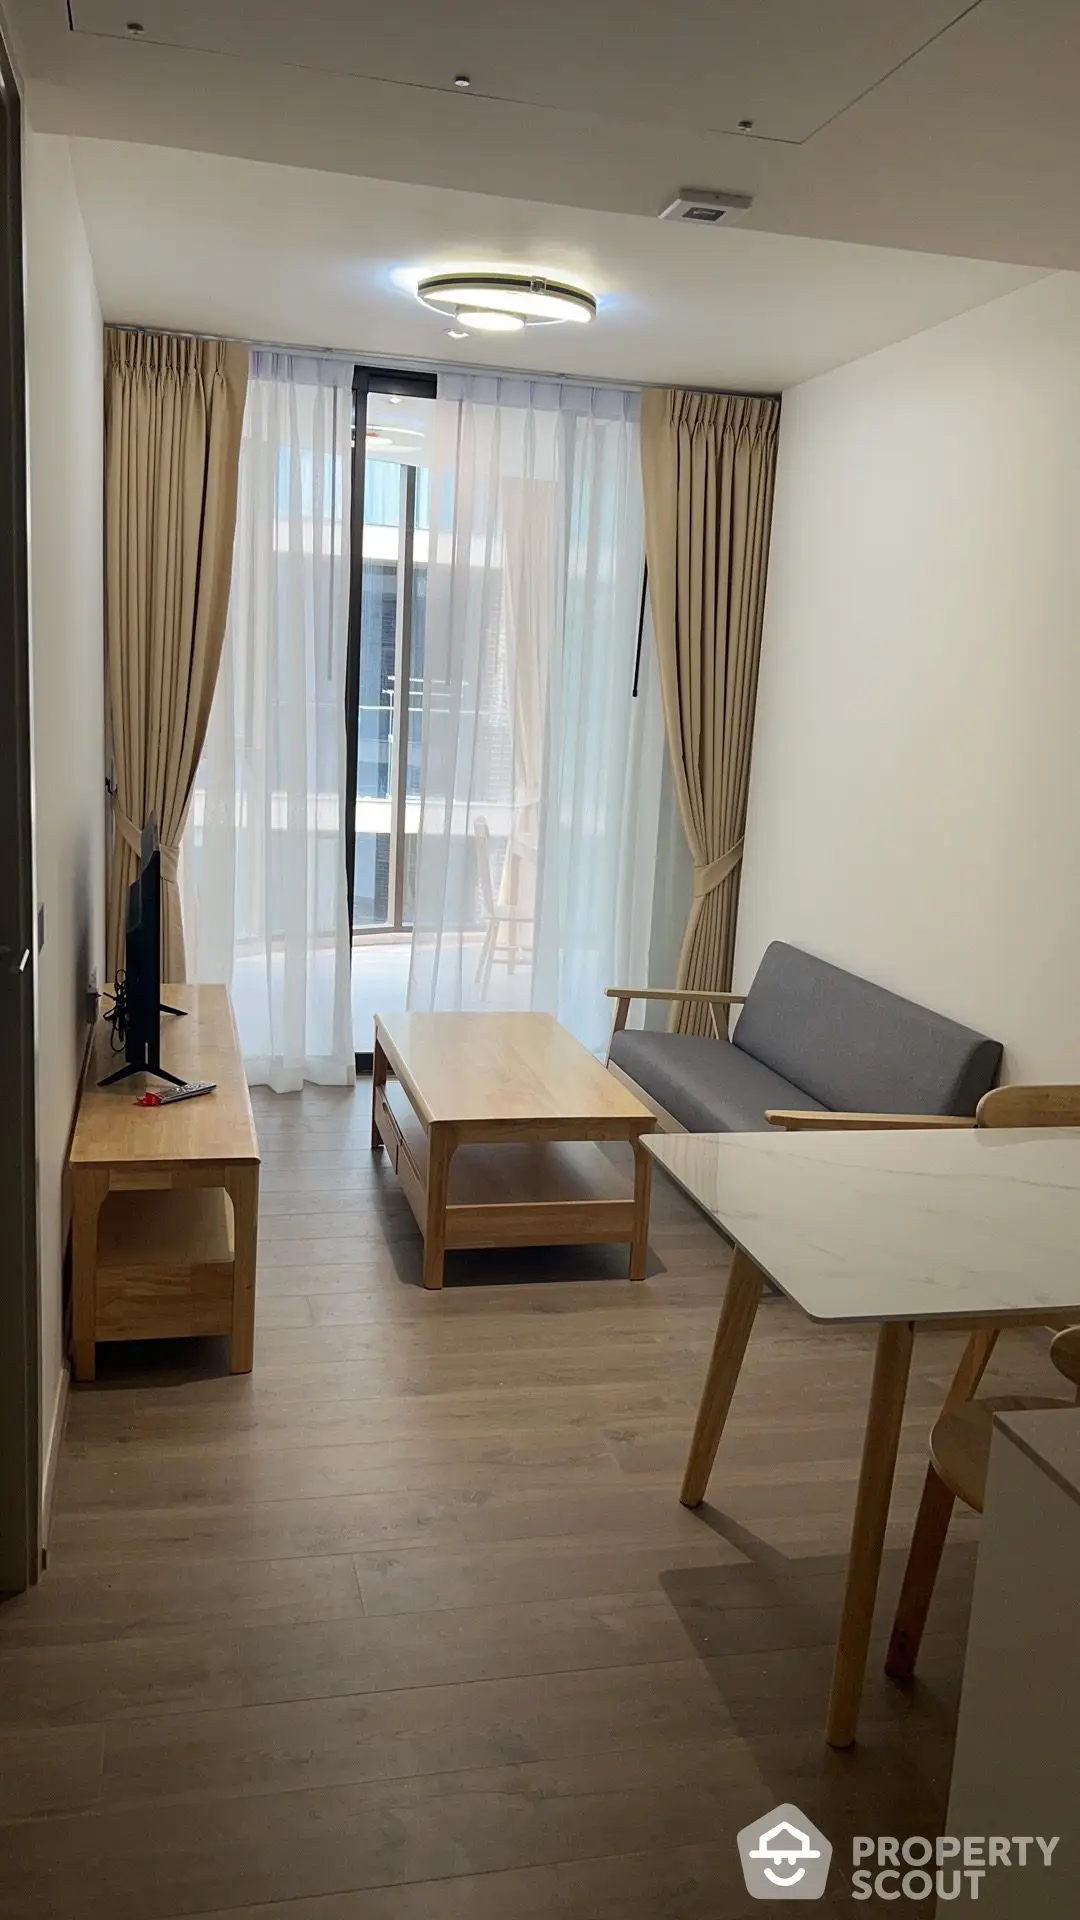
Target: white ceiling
{"points": [[793, 65], [945, 126], [204, 243]]}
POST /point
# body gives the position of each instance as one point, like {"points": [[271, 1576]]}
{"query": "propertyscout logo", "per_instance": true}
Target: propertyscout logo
{"points": [[785, 1857]]}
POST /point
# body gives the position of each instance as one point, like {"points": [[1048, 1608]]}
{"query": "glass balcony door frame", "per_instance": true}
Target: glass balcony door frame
{"points": [[422, 386]]}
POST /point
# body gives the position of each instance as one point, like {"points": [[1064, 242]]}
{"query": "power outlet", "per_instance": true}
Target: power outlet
{"points": [[93, 998]]}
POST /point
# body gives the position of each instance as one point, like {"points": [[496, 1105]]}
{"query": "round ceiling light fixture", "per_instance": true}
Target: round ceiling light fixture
{"points": [[505, 302]]}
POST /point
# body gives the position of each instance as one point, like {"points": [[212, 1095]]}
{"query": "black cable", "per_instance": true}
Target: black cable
{"points": [[117, 1016]]}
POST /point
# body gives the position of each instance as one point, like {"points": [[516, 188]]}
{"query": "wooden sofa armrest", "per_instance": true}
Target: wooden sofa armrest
{"points": [[674, 993], [699, 996], [797, 1121]]}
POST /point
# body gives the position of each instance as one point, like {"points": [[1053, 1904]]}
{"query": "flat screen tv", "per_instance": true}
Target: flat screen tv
{"points": [[136, 1016]]}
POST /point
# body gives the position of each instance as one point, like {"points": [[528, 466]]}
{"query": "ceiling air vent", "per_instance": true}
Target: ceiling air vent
{"points": [[707, 209]]}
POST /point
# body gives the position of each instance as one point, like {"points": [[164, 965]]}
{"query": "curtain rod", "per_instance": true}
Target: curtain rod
{"points": [[390, 363]]}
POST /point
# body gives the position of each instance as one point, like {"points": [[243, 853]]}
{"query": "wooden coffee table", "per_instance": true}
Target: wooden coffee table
{"points": [[490, 1121]]}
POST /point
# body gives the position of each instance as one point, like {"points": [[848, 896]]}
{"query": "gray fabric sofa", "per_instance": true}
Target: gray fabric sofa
{"points": [[813, 1038]]}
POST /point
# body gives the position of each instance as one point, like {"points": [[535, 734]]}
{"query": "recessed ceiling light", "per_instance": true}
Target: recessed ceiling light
{"points": [[456, 333], [462, 80], [395, 399], [528, 297]]}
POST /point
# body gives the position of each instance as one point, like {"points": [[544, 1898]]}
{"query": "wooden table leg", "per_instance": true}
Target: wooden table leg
{"points": [[89, 1186], [639, 1245], [378, 1082], [880, 1446], [441, 1143], [242, 1186], [737, 1317]]}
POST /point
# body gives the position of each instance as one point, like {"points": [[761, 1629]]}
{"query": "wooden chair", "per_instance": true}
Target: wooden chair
{"points": [[959, 1460], [1056, 1105], [496, 914]]}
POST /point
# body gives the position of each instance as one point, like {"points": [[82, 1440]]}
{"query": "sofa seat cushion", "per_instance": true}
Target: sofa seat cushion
{"points": [[707, 1085], [855, 1046]]}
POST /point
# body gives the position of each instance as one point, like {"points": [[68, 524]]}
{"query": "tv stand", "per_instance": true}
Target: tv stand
{"points": [[165, 1200], [151, 1063], [125, 1073]]}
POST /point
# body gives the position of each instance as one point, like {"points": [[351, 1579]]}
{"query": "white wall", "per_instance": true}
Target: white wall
{"points": [[915, 790], [64, 375]]}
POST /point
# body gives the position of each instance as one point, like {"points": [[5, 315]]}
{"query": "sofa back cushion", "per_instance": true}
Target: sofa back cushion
{"points": [[856, 1047]]}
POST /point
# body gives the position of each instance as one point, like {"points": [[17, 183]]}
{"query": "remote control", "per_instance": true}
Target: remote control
{"points": [[190, 1091]]}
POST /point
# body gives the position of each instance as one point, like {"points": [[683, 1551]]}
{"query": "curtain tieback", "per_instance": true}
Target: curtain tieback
{"points": [[130, 835], [707, 879]]}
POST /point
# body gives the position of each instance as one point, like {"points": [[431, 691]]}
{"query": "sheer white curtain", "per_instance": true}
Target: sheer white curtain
{"points": [[541, 770], [263, 871]]}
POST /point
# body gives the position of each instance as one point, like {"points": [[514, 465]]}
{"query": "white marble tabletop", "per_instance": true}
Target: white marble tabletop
{"points": [[896, 1226]]}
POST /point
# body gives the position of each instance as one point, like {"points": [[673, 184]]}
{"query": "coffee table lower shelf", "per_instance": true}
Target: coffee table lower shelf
{"points": [[511, 1192]]}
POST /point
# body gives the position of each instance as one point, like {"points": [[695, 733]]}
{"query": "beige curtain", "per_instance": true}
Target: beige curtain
{"points": [[173, 417], [708, 466]]}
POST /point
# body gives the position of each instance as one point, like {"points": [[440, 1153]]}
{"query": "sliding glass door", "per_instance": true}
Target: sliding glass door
{"points": [[391, 477], [514, 868]]}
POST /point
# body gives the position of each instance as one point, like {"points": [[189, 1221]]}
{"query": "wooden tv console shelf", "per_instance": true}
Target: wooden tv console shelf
{"points": [[165, 1200]]}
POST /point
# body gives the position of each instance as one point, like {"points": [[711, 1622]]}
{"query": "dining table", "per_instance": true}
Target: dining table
{"points": [[965, 1229]]}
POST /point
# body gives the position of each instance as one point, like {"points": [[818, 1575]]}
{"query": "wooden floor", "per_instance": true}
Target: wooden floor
{"points": [[409, 1625]]}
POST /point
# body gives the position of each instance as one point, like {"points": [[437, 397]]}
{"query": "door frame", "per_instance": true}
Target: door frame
{"points": [[20, 1304], [366, 380]]}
